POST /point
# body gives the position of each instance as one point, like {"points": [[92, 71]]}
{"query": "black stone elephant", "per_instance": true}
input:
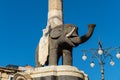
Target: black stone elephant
{"points": [[62, 39]]}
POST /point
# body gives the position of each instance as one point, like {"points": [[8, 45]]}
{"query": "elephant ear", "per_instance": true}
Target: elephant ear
{"points": [[56, 32]]}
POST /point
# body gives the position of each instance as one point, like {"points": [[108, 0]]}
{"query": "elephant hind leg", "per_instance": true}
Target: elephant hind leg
{"points": [[67, 57]]}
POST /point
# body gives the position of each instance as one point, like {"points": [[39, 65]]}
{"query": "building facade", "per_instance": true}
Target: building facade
{"points": [[7, 73]]}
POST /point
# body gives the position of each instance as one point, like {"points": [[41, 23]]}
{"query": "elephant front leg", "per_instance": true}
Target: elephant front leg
{"points": [[53, 57], [67, 57]]}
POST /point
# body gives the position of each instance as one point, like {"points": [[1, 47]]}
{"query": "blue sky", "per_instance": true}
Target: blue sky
{"points": [[22, 21]]}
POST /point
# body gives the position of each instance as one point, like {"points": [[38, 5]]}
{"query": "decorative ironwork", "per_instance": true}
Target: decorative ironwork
{"points": [[101, 54]]}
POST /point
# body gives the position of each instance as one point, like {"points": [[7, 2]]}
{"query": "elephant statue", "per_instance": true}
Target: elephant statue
{"points": [[62, 39]]}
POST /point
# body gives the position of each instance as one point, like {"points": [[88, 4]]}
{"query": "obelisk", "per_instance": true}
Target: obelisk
{"points": [[55, 13]]}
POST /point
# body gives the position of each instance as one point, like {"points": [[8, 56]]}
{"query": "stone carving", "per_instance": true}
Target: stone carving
{"points": [[22, 76], [42, 49], [62, 39], [64, 72]]}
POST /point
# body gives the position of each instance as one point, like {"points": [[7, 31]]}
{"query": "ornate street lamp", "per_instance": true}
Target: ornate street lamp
{"points": [[101, 54], [118, 55]]}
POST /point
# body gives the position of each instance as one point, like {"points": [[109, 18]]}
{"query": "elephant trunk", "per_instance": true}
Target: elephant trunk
{"points": [[85, 37]]}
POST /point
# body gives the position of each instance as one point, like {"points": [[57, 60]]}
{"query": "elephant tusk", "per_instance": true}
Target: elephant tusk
{"points": [[70, 33]]}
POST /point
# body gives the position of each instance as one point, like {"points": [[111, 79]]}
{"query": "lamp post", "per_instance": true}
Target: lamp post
{"points": [[101, 54]]}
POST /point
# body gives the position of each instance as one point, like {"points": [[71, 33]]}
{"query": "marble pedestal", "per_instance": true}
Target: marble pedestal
{"points": [[52, 73]]}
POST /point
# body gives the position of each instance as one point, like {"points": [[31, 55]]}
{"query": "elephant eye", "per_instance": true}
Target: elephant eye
{"points": [[59, 30]]}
